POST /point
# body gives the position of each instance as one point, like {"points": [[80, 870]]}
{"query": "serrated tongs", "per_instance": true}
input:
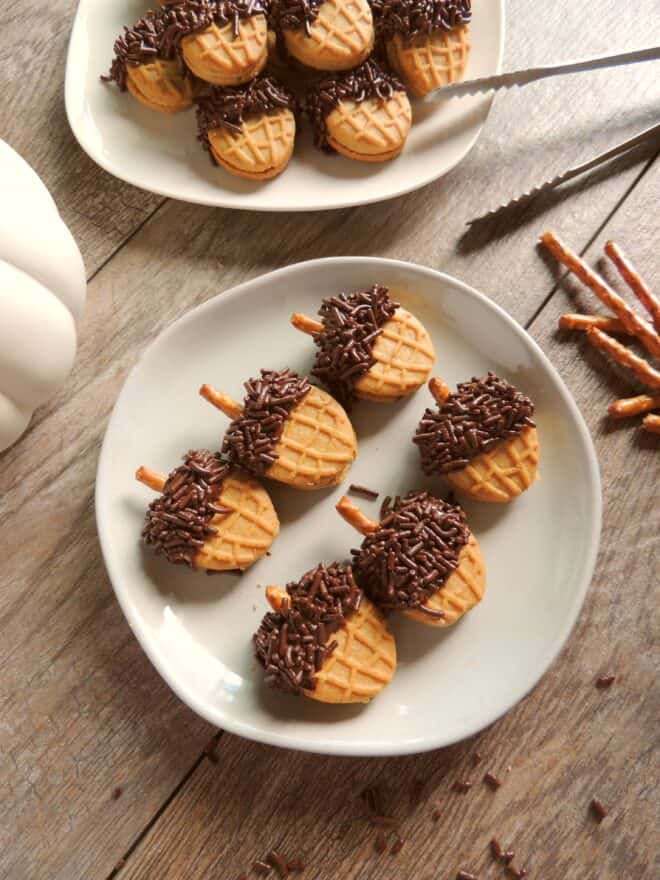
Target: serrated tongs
{"points": [[532, 74]]}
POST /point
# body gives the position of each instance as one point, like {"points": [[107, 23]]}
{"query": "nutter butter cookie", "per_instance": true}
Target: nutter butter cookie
{"points": [[287, 430], [208, 514], [426, 41], [223, 42], [152, 73], [421, 558], [481, 438], [363, 114], [368, 346], [325, 34], [249, 130], [325, 639]]}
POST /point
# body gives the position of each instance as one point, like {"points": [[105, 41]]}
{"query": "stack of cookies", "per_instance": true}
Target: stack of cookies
{"points": [[348, 66]]}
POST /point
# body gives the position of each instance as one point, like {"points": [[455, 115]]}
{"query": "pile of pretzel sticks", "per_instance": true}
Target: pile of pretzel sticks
{"points": [[624, 321]]}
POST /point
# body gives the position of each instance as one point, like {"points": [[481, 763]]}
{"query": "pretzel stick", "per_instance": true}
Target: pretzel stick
{"points": [[635, 282], [276, 597], [306, 324], [355, 517], [439, 389], [652, 424], [630, 320], [622, 355], [584, 322], [222, 401], [634, 406], [150, 478]]}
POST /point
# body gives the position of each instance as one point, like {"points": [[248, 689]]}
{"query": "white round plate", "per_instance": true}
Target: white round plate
{"points": [[539, 550], [160, 153]]}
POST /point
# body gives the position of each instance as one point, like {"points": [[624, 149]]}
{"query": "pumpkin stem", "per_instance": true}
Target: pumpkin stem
{"points": [[306, 324], [223, 402], [355, 517], [150, 478]]}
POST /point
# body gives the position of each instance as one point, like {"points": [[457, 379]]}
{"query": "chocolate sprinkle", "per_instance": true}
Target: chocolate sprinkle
{"points": [[465, 875], [251, 439], [293, 643], [471, 421], [369, 80], [191, 16], [412, 553], [295, 15], [605, 681], [493, 781], [116, 792], [364, 491], [598, 809], [138, 45], [462, 785], [351, 323], [262, 868], [229, 106], [178, 522], [419, 18], [397, 846], [380, 842]]}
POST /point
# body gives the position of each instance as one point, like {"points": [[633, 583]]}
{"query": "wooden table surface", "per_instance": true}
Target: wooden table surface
{"points": [[83, 712]]}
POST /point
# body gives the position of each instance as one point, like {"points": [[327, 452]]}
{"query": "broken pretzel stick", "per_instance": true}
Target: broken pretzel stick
{"points": [[634, 325], [151, 478], [634, 406], [355, 517], [651, 423], [584, 322], [622, 355], [635, 282], [223, 402], [306, 324], [439, 389]]}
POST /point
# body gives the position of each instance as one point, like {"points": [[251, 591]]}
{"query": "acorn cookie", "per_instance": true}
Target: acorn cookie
{"points": [[363, 114], [427, 43], [249, 130], [287, 430], [420, 559], [369, 347], [481, 438], [154, 75], [223, 42], [208, 515], [325, 34], [325, 639]]}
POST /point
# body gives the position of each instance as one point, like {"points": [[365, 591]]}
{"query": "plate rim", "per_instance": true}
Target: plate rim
{"points": [[327, 746], [226, 200]]}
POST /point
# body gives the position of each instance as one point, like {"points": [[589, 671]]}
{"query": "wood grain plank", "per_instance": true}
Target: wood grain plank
{"points": [[82, 710], [100, 210], [566, 743]]}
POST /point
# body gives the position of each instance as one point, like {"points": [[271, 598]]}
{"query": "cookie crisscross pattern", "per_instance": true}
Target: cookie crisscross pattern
{"points": [[317, 444], [161, 82], [373, 125], [342, 29], [246, 532], [363, 661], [436, 60], [265, 142], [404, 358], [218, 47], [504, 471], [463, 589]]}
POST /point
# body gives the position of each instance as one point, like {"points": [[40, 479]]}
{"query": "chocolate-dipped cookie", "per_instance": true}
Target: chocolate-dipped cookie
{"points": [[287, 430], [368, 346], [152, 73], [481, 438], [325, 639], [325, 34], [427, 42], [421, 558], [249, 130], [363, 114], [208, 514]]}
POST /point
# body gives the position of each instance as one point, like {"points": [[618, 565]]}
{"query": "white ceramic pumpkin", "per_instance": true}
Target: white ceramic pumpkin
{"points": [[42, 295]]}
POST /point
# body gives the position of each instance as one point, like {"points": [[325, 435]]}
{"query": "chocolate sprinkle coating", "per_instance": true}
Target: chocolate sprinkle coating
{"points": [[416, 18], [471, 421], [229, 106], [138, 45], [369, 80], [295, 15], [412, 553], [351, 323], [190, 16], [293, 643], [251, 438], [178, 522]]}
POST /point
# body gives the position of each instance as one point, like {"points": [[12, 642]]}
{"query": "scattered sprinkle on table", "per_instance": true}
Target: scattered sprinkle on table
{"points": [[477, 758], [380, 843], [364, 491], [492, 781], [116, 793], [605, 681], [397, 846], [462, 785], [262, 868], [465, 875], [598, 809], [435, 815]]}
